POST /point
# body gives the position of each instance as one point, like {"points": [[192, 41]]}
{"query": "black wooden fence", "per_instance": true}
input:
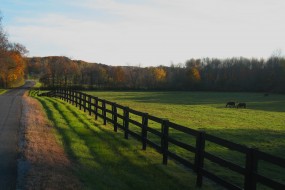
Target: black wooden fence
{"points": [[110, 112]]}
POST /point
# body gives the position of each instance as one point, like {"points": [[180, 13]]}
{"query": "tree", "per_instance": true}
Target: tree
{"points": [[12, 62], [134, 75], [119, 76], [159, 74]]}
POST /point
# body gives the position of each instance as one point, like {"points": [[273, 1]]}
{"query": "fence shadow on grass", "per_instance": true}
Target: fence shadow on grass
{"points": [[113, 166]]}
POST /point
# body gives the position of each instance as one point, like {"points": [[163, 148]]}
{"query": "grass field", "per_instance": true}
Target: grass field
{"points": [[104, 160], [261, 125]]}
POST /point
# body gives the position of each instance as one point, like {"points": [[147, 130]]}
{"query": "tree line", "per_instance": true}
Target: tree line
{"points": [[12, 61], [207, 74]]}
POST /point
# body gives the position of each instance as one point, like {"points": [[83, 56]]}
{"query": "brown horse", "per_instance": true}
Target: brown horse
{"points": [[230, 105], [241, 105]]}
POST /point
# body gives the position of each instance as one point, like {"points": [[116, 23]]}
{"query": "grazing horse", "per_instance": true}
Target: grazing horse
{"points": [[241, 105], [231, 105]]}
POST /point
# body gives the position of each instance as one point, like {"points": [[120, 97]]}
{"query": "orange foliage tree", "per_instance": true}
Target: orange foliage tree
{"points": [[119, 75], [159, 74], [12, 63]]}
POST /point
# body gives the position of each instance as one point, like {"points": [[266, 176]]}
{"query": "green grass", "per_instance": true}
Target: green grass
{"points": [[38, 84], [105, 160], [2, 91], [264, 116], [261, 125]]}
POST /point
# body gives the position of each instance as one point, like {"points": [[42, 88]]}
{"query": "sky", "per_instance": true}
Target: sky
{"points": [[146, 32]]}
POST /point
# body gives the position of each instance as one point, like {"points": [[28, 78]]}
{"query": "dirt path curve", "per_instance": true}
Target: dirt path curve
{"points": [[10, 114]]}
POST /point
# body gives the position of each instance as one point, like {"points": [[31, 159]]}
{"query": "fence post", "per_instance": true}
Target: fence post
{"points": [[250, 169], [126, 122], [104, 112], [164, 141], [76, 99], [80, 100], [73, 97], [61, 94], [89, 104], [199, 157], [114, 110], [84, 102], [65, 95], [96, 108], [69, 95], [144, 130]]}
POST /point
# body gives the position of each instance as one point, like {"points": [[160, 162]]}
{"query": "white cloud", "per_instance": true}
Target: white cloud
{"points": [[156, 32]]}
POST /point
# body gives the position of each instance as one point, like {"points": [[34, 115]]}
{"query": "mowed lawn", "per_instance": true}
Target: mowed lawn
{"points": [[103, 159], [260, 125]]}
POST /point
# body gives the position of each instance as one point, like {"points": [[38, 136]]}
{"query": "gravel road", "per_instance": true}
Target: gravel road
{"points": [[10, 114]]}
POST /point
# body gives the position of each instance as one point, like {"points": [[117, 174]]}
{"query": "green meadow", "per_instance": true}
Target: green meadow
{"points": [[261, 125], [103, 159], [102, 154]]}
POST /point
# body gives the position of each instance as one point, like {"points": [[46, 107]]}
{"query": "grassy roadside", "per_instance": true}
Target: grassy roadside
{"points": [[2, 91], [104, 160], [42, 162], [38, 84]]}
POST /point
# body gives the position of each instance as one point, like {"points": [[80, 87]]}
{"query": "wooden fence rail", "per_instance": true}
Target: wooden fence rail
{"points": [[112, 112]]}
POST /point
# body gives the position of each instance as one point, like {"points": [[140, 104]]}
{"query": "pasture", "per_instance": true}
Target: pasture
{"points": [[104, 160], [261, 125]]}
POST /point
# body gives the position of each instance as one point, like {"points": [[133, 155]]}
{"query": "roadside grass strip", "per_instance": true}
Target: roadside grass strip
{"points": [[2, 91]]}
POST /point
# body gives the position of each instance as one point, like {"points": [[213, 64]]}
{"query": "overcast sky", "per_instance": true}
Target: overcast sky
{"points": [[146, 32]]}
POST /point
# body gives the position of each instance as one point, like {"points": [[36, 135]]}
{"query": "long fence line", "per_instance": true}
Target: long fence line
{"points": [[110, 112]]}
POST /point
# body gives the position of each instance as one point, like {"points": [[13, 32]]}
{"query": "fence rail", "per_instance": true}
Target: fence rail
{"points": [[112, 112]]}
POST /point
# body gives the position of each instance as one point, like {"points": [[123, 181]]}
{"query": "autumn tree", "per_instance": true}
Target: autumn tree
{"points": [[119, 76], [193, 72], [12, 62], [159, 74]]}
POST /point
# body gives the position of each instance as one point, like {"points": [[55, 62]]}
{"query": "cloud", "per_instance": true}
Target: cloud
{"points": [[153, 32]]}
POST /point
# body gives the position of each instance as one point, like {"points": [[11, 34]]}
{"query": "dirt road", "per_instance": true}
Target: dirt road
{"points": [[10, 114]]}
